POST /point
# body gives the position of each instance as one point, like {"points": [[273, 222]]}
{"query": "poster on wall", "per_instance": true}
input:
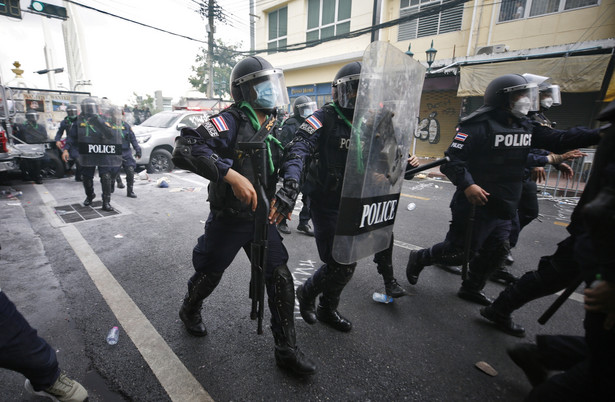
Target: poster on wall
{"points": [[35, 105], [59, 105]]}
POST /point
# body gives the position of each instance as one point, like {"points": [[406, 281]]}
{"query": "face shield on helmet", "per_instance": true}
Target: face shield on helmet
{"points": [[522, 98], [89, 107], [32, 117], [71, 111], [263, 90], [550, 97], [345, 91], [304, 109]]}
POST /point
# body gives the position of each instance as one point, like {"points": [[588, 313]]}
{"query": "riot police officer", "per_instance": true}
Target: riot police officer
{"points": [[31, 132], [303, 106], [71, 116], [212, 151], [96, 144], [326, 133], [488, 156], [128, 162]]}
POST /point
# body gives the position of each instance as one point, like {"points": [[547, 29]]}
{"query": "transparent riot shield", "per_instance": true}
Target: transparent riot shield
{"points": [[385, 118], [100, 136]]}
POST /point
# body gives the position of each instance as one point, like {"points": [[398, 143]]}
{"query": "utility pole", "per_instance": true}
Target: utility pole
{"points": [[210, 50], [252, 25]]}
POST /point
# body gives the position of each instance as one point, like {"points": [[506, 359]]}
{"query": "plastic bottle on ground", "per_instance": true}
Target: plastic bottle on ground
{"points": [[382, 298], [113, 336]]}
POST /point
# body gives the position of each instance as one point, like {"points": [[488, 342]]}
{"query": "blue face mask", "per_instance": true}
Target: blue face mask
{"points": [[266, 95]]}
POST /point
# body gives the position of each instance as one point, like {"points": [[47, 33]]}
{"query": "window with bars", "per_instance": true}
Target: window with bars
{"points": [[278, 21], [516, 9], [445, 21], [328, 18]]}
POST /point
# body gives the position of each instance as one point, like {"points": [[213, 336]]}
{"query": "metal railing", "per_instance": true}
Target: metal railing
{"points": [[558, 188]]}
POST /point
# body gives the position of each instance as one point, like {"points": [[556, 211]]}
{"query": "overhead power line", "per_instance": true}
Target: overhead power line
{"points": [[426, 11], [134, 22]]}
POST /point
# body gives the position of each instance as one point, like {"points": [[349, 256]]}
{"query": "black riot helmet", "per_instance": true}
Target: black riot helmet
{"points": [[550, 94], [512, 92], [72, 112], [254, 80], [303, 106], [345, 85], [89, 107], [32, 116]]}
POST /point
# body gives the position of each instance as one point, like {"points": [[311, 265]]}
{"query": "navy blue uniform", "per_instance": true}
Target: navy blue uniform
{"points": [[72, 146], [491, 152], [230, 224], [128, 139], [63, 129]]}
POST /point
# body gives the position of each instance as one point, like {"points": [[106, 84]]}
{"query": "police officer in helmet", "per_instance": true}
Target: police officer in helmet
{"points": [[488, 156], [31, 132], [90, 127], [212, 152], [325, 133], [303, 106], [71, 116]]}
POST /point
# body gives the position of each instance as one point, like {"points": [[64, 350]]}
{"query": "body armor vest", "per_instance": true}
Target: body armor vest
{"points": [[221, 198], [326, 172]]}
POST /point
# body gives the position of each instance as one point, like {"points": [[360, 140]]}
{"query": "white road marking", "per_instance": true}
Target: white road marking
{"points": [[174, 377]]}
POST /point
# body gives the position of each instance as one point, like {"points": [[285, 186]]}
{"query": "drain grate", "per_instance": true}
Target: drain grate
{"points": [[77, 212]]}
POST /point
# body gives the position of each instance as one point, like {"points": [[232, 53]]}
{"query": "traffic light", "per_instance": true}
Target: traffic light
{"points": [[10, 8], [48, 10]]}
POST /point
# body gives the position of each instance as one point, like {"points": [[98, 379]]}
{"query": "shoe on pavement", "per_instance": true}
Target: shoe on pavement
{"points": [[475, 296], [283, 227], [527, 357], [394, 289], [333, 319], [503, 276], [64, 390], [305, 228], [509, 259], [503, 323], [414, 267]]}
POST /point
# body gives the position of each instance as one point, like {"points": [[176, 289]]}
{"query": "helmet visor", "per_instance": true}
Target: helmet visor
{"points": [[306, 109], [529, 90], [346, 91], [554, 93], [264, 89]]}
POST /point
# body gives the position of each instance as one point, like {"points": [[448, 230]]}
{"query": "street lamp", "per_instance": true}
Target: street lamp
{"points": [[431, 56], [80, 83], [409, 52], [50, 70]]}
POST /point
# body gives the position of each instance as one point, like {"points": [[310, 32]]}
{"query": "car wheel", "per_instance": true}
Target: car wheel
{"points": [[160, 162], [53, 165]]}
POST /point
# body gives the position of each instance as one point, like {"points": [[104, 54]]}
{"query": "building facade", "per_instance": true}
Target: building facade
{"points": [[571, 41]]}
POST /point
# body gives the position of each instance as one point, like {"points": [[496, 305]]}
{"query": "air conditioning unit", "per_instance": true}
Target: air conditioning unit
{"points": [[492, 49]]}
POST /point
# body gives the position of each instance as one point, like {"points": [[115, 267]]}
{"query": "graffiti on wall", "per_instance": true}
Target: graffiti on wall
{"points": [[428, 129]]}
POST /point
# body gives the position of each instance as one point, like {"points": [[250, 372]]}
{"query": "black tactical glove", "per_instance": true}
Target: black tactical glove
{"points": [[286, 197], [138, 154]]}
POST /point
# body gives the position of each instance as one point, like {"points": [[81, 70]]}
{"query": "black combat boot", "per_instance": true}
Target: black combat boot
{"points": [[329, 300], [416, 262], [130, 181], [118, 179], [88, 185], [502, 322], [307, 293], [391, 287], [480, 268], [199, 287], [106, 182], [282, 306], [503, 275]]}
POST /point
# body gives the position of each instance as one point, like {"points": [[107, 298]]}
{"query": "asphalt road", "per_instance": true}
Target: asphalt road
{"points": [[74, 281]]}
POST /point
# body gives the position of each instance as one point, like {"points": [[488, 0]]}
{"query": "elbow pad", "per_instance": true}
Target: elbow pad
{"points": [[203, 166]]}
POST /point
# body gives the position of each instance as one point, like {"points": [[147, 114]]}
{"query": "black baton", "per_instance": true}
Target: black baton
{"points": [[429, 165], [560, 300], [468, 243]]}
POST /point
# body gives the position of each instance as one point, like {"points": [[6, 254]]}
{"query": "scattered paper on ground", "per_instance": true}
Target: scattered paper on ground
{"points": [[119, 236], [486, 368]]}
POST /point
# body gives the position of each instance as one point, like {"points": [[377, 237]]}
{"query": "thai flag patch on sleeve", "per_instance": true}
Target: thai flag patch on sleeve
{"points": [[220, 124], [460, 137], [314, 122]]}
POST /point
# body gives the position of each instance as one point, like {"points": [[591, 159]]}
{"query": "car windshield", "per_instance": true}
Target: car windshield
{"points": [[162, 120]]}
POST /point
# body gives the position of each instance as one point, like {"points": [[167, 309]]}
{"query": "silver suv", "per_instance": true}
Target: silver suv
{"points": [[156, 136]]}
